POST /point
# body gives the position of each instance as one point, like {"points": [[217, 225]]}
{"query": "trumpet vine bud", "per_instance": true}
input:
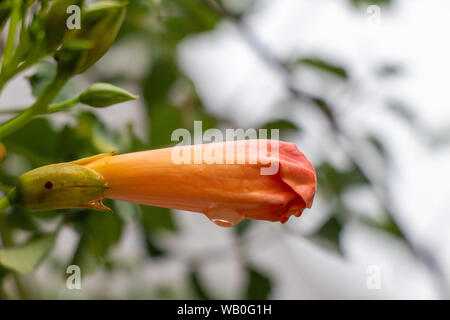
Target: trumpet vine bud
{"points": [[100, 95], [101, 23], [59, 186], [56, 22]]}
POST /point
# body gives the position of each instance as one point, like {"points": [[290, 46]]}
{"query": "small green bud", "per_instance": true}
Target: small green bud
{"points": [[101, 23], [59, 186], [100, 95]]}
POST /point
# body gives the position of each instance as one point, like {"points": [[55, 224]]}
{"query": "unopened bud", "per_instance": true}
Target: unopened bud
{"points": [[56, 22], [101, 24], [100, 95]]}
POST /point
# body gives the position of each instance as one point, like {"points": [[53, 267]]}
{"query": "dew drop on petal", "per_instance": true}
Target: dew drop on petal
{"points": [[224, 217], [222, 223]]}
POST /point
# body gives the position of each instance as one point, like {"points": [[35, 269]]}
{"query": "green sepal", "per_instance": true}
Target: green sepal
{"points": [[59, 186]]}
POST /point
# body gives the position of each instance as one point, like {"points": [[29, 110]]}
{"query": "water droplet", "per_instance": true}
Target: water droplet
{"points": [[222, 223], [224, 217]]}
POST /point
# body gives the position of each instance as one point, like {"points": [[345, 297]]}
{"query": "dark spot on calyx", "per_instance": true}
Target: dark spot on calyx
{"points": [[48, 185]]}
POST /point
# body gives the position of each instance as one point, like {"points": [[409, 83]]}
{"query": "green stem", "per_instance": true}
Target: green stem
{"points": [[39, 107], [11, 40], [61, 106], [53, 108], [12, 111]]}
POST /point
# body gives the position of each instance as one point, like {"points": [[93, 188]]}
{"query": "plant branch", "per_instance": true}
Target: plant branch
{"points": [[53, 108], [11, 40]]}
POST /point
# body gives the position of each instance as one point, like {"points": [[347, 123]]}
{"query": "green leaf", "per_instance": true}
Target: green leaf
{"points": [[156, 218], [339, 180], [26, 258], [45, 72], [365, 3], [41, 150], [21, 219], [388, 226], [189, 17], [153, 249], [330, 232], [284, 126], [157, 84], [134, 142], [73, 145], [242, 227], [92, 129], [259, 285], [163, 121], [197, 12], [84, 257], [102, 230], [324, 65], [99, 231], [378, 145]]}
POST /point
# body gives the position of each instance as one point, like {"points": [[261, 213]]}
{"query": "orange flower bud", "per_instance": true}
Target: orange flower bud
{"points": [[228, 182]]}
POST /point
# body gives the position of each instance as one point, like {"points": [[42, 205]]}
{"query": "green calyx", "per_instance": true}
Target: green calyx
{"points": [[59, 186]]}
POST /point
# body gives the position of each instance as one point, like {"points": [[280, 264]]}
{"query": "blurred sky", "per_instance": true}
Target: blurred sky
{"points": [[232, 81]]}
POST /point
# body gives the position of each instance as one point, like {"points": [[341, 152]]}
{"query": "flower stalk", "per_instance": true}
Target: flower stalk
{"points": [[11, 40]]}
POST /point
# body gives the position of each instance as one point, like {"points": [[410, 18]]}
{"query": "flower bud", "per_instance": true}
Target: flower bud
{"points": [[56, 22], [100, 95], [100, 25], [59, 186]]}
